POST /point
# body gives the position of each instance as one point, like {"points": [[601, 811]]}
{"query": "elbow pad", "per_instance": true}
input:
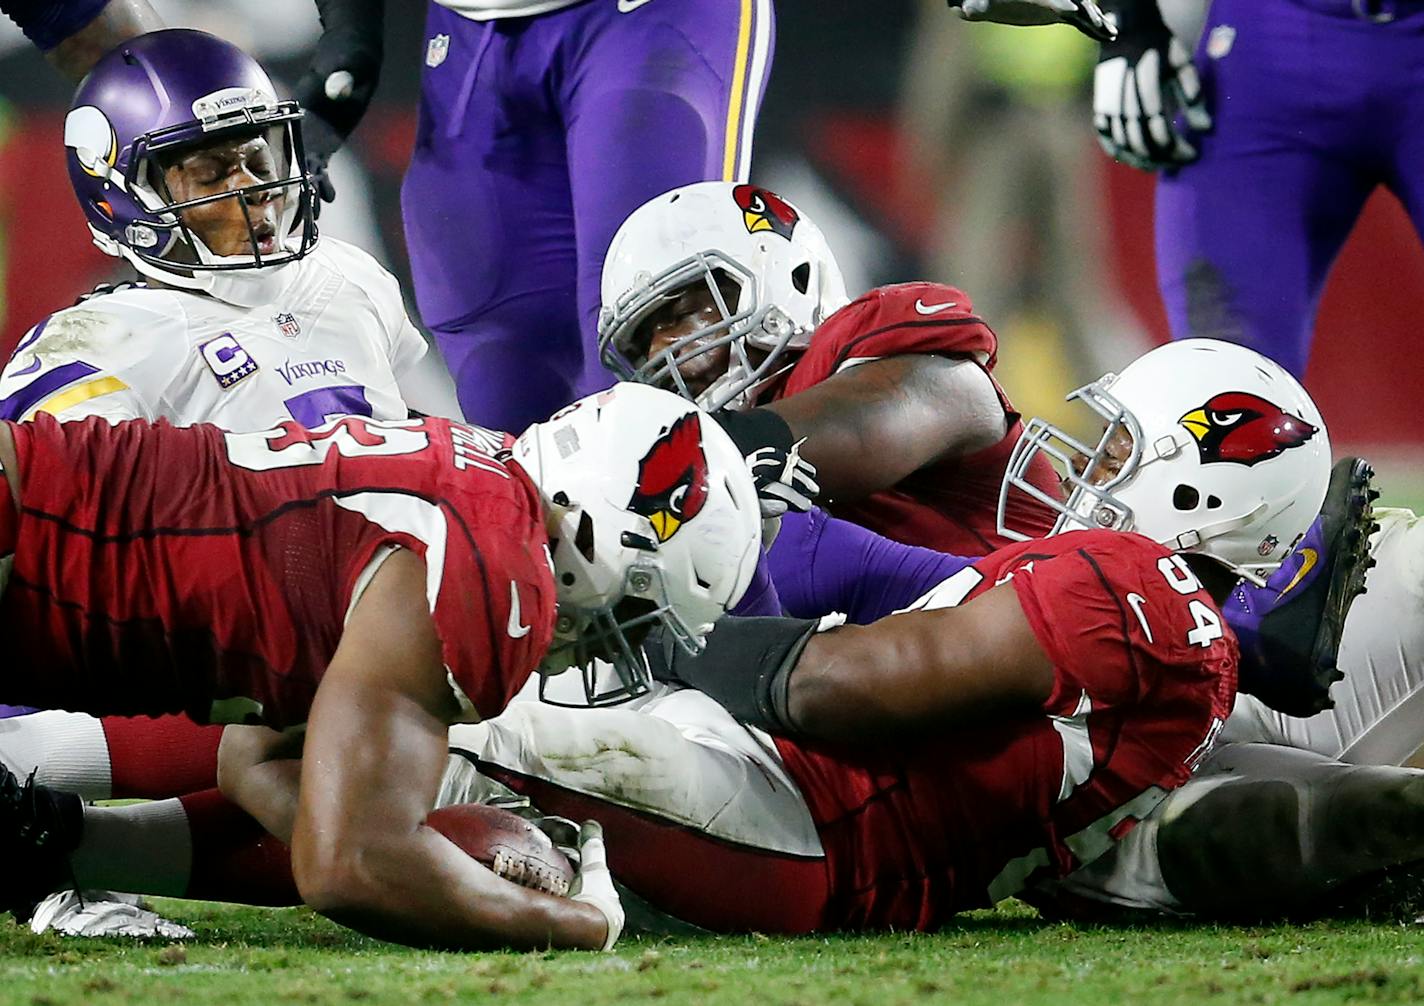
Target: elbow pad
{"points": [[746, 667]]}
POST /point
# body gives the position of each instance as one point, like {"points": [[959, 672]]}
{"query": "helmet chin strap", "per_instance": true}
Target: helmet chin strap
{"points": [[1192, 541]]}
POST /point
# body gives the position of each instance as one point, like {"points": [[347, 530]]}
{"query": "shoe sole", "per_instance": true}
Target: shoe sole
{"points": [[1350, 562]]}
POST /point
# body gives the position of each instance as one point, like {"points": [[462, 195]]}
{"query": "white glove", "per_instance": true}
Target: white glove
{"points": [[1143, 81], [1085, 15], [784, 480], [594, 884]]}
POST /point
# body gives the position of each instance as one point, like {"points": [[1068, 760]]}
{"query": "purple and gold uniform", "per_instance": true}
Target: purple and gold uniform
{"points": [[542, 126]]}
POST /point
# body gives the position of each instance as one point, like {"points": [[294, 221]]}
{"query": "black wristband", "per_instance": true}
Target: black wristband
{"points": [[756, 428], [746, 666]]}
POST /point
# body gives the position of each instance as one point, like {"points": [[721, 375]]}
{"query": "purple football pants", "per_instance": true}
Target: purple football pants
{"points": [[1316, 102], [537, 137]]}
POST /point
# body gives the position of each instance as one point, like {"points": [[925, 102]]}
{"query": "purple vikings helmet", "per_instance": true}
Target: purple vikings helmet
{"points": [[161, 93]]}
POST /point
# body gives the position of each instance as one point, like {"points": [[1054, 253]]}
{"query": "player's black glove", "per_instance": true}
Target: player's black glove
{"points": [[1085, 15], [784, 480], [339, 84], [1143, 81]]}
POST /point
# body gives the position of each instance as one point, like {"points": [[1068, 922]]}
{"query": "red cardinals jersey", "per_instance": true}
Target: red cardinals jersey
{"points": [[161, 569], [1145, 674], [951, 505]]}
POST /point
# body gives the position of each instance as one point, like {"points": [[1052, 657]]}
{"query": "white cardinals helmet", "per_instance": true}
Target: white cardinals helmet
{"points": [[1229, 457], [652, 519], [786, 278]]}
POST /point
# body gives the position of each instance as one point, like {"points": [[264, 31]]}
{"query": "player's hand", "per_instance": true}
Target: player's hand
{"points": [[594, 884], [784, 480], [339, 84], [1085, 15], [1144, 80]]}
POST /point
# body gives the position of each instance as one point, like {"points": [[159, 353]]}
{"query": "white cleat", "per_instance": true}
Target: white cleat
{"points": [[103, 913]]}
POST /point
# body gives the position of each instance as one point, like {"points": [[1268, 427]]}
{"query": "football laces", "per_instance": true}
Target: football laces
{"points": [[529, 873]]}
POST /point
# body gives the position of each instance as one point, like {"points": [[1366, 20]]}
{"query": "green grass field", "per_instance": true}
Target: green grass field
{"points": [[1000, 958]]}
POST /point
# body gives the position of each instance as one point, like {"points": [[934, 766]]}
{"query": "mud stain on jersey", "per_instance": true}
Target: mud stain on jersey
{"points": [[75, 334]]}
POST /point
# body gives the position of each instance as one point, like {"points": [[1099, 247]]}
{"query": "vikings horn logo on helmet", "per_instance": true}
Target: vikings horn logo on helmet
{"points": [[1244, 429], [672, 478], [764, 210]]}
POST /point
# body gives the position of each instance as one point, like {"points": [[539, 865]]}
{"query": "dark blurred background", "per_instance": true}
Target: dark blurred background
{"points": [[925, 147]]}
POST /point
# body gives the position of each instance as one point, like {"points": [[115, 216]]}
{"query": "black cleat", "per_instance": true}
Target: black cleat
{"points": [[1290, 629], [39, 828]]}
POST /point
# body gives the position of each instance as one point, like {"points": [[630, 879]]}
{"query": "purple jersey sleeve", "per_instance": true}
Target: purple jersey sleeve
{"points": [[820, 564], [761, 598], [47, 23]]}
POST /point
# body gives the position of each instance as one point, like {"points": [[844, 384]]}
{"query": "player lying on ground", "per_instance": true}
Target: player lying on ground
{"points": [[374, 583], [1222, 860], [943, 786], [886, 368], [893, 395], [708, 316], [729, 295], [1220, 857]]}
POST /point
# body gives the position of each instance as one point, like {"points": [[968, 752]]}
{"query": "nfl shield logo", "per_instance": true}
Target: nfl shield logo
{"points": [[436, 50], [287, 325]]}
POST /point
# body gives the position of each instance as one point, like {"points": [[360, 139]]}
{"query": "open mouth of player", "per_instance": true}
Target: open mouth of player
{"points": [[264, 235]]}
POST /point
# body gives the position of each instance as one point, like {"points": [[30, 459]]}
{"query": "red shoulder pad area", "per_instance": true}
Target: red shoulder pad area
{"points": [[1122, 617], [893, 321]]}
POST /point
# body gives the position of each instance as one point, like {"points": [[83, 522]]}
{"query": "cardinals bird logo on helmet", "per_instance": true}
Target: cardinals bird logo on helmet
{"points": [[672, 478], [1244, 429], [764, 210]]}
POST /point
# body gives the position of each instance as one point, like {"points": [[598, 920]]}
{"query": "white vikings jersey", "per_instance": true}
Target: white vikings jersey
{"points": [[489, 10], [337, 341]]}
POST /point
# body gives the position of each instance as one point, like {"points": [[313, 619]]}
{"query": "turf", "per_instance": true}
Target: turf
{"points": [[1001, 958]]}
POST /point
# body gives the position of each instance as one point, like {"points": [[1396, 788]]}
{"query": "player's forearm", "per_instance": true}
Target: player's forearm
{"points": [[418, 889], [76, 55]]}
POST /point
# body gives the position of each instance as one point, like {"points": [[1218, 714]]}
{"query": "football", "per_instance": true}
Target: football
{"points": [[506, 843]]}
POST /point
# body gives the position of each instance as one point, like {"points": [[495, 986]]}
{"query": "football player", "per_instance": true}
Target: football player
{"points": [[361, 586], [729, 295], [188, 167], [1307, 115]]}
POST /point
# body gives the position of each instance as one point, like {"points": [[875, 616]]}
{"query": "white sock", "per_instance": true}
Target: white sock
{"points": [[141, 847], [68, 750]]}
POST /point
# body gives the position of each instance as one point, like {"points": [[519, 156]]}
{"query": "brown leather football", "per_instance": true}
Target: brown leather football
{"points": [[507, 844]]}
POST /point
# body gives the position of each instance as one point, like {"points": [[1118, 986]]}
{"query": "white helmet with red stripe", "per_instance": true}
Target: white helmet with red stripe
{"points": [[785, 277], [653, 521]]}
